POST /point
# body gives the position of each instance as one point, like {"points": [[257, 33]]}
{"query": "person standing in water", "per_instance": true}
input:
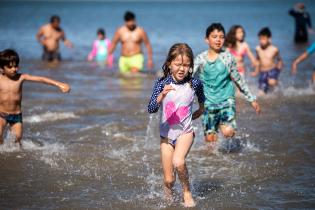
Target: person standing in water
{"points": [[49, 36], [174, 93], [100, 48], [217, 69], [131, 38], [270, 62], [302, 23], [11, 85], [310, 50], [238, 47]]}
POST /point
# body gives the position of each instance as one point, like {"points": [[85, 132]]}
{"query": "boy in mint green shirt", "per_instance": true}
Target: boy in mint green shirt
{"points": [[217, 70]]}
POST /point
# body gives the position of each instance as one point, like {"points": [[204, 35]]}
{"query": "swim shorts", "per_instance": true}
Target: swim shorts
{"points": [[51, 55], [127, 63], [11, 118], [265, 76], [213, 118]]}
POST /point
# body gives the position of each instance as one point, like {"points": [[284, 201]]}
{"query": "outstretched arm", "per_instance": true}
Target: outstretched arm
{"points": [[298, 60], [251, 56], [257, 67], [93, 52], [39, 36], [242, 86], [149, 49], [240, 82], [279, 59], [110, 57], [65, 88], [66, 42], [114, 43]]}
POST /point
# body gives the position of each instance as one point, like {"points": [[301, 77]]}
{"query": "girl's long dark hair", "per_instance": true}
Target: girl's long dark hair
{"points": [[177, 49], [231, 36]]}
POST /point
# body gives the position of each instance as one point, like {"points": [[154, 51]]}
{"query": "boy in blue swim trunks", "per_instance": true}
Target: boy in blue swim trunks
{"points": [[11, 83], [310, 50], [218, 72], [270, 62]]}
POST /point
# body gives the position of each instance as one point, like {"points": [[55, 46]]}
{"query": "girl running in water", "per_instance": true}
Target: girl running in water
{"points": [[235, 42], [174, 92]]}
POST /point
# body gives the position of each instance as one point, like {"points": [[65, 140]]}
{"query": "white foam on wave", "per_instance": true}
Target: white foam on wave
{"points": [[48, 152], [289, 92], [292, 91], [50, 116]]}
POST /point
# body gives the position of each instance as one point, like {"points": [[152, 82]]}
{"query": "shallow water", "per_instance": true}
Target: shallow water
{"points": [[97, 148]]}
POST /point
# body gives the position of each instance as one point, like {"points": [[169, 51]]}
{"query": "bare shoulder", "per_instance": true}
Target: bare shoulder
{"points": [[121, 29], [276, 49], [45, 27], [24, 77], [258, 48], [140, 29]]}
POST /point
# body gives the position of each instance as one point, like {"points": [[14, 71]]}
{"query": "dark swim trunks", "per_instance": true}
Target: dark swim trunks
{"points": [[12, 118], [51, 55], [265, 76]]}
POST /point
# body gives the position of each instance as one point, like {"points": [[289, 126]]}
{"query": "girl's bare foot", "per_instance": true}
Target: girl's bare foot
{"points": [[188, 200]]}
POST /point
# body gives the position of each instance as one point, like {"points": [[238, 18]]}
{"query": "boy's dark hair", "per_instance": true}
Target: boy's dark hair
{"points": [[265, 32], [129, 16], [214, 26], [54, 18], [9, 57], [101, 31]]}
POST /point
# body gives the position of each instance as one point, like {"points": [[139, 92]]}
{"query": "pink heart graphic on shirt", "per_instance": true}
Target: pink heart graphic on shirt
{"points": [[174, 116]]}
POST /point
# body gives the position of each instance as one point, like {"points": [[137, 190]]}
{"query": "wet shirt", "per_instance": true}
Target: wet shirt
{"points": [[218, 77], [176, 111]]}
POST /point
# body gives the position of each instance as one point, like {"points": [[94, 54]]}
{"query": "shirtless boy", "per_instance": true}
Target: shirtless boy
{"points": [[131, 37], [11, 83], [49, 36], [270, 62]]}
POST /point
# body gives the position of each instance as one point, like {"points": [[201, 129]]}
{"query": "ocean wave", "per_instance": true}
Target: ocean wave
{"points": [[50, 116]]}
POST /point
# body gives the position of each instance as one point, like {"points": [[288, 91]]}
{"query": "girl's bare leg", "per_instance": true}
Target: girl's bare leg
{"points": [[182, 148], [167, 152]]}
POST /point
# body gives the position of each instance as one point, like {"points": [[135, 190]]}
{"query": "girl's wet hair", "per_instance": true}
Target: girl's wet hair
{"points": [[9, 58], [231, 36], [178, 49], [101, 31], [213, 27]]}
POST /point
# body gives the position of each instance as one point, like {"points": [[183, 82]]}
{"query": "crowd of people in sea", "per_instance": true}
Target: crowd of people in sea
{"points": [[213, 76]]}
